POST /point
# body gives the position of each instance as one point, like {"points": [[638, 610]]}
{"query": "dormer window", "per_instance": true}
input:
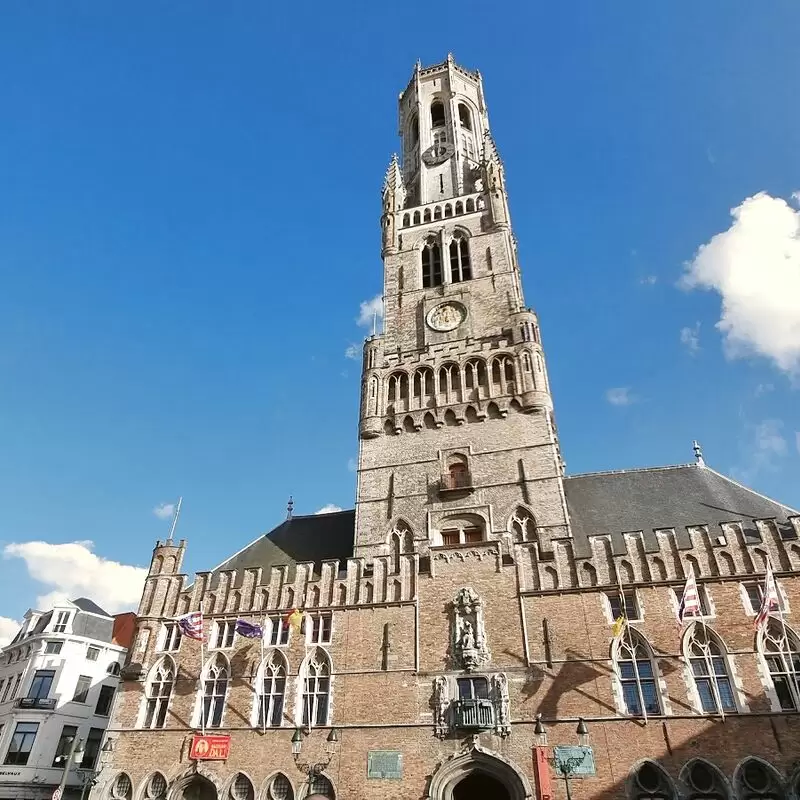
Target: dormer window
{"points": [[437, 114], [61, 622]]}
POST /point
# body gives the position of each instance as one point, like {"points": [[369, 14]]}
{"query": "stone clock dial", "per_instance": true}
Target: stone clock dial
{"points": [[446, 316]]}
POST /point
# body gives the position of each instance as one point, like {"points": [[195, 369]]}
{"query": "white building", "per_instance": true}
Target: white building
{"points": [[58, 680]]}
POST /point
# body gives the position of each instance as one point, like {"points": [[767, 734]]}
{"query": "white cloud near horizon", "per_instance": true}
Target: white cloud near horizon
{"points": [[754, 266], [72, 570], [690, 338], [620, 396], [8, 630], [353, 352], [164, 510], [330, 508], [371, 310]]}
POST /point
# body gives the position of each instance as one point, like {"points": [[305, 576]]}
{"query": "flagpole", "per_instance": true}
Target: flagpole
{"points": [[261, 667], [626, 625], [202, 667]]}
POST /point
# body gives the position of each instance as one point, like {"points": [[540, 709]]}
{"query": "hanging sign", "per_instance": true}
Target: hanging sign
{"points": [[210, 748]]}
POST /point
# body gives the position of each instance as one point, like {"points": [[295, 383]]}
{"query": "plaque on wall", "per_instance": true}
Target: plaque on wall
{"points": [[578, 761], [385, 764]]}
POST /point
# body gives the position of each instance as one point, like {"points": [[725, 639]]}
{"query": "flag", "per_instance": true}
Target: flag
{"points": [[690, 600], [770, 602], [250, 630], [618, 626], [191, 625], [295, 618]]}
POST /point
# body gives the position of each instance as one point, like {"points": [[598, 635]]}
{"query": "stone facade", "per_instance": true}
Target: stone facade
{"points": [[474, 591]]}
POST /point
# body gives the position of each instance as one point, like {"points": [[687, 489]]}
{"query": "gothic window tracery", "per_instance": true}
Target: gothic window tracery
{"points": [[523, 525], [215, 690], [637, 674], [450, 383], [431, 263], [651, 782], [460, 264], [503, 375], [316, 688], [423, 387], [781, 650], [757, 780], [475, 379], [704, 780], [159, 692], [272, 690], [707, 658]]}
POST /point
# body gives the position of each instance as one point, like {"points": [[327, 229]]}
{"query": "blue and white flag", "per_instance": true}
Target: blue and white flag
{"points": [[250, 630]]}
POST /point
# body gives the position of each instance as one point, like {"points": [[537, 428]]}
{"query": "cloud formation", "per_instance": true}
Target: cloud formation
{"points": [[371, 310], [73, 570], [620, 396], [763, 449], [754, 266], [690, 338], [648, 280], [328, 509], [353, 351], [8, 630], [164, 510]]}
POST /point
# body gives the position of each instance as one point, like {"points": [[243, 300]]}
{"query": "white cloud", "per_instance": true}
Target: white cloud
{"points": [[73, 570], [352, 466], [328, 509], [649, 280], [690, 338], [371, 310], [353, 351], [8, 630], [620, 396], [762, 449], [164, 510], [755, 268], [764, 388]]}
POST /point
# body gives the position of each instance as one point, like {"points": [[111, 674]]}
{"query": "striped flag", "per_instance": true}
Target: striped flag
{"points": [[191, 625], [770, 601], [690, 600]]}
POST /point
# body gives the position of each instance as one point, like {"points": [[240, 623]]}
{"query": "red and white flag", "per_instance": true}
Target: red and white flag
{"points": [[690, 600], [770, 601], [191, 625]]}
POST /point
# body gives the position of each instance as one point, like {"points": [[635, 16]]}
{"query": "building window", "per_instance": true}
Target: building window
{"points": [[61, 622], [224, 634], [242, 788], [156, 788], [781, 651], [92, 748], [464, 117], [431, 264], [316, 689], [637, 675], [53, 648], [280, 788], [22, 743], [278, 631], [17, 682], [320, 785], [755, 779], [82, 689], [92, 653], [68, 734], [113, 668], [462, 530], [460, 267], [705, 781], [476, 688], [171, 637], [122, 788], [273, 688], [437, 114], [702, 594], [650, 782], [710, 671], [523, 525], [8, 690], [321, 625], [104, 701], [215, 689], [630, 611], [41, 684], [159, 691]]}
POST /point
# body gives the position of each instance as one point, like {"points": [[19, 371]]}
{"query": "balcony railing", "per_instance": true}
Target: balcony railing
{"points": [[474, 714], [454, 481], [36, 702]]}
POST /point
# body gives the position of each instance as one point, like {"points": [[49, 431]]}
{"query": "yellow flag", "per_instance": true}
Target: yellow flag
{"points": [[295, 619], [617, 627]]}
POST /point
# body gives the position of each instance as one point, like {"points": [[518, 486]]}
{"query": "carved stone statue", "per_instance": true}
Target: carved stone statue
{"points": [[469, 633], [500, 701], [467, 640], [441, 700]]}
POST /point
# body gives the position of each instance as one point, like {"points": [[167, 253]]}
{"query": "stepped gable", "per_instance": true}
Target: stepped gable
{"points": [[315, 537], [663, 497]]}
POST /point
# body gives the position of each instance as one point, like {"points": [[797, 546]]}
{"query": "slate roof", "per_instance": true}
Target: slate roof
{"points": [[85, 604]]}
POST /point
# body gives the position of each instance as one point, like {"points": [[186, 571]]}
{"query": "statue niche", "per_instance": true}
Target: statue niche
{"points": [[469, 634]]}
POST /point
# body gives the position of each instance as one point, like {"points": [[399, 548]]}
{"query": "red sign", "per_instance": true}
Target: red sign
{"points": [[210, 748], [541, 765]]}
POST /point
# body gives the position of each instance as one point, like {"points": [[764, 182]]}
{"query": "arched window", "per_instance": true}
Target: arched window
{"points": [[122, 788], [706, 657], [272, 690], [113, 668], [460, 267], [156, 787], [241, 788], [780, 649], [755, 779], [320, 785], [158, 693], [431, 264], [522, 525], [437, 114], [280, 788], [475, 379], [637, 675], [413, 131], [465, 529], [417, 218], [450, 383], [704, 780], [400, 541], [215, 689], [316, 689], [464, 117], [423, 386], [651, 782], [503, 375]]}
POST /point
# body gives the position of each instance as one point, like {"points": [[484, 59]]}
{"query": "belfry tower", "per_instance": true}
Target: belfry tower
{"points": [[457, 438]]}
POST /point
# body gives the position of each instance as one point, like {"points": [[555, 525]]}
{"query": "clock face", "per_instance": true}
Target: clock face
{"points": [[437, 153], [446, 316]]}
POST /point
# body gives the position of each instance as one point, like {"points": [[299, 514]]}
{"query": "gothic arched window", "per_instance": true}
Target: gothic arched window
{"points": [[437, 114], [704, 780], [523, 525], [272, 691], [215, 689], [637, 674], [460, 266], [280, 788], [780, 649], [706, 655], [464, 117], [241, 788], [159, 691], [651, 782], [431, 264], [755, 779], [316, 689]]}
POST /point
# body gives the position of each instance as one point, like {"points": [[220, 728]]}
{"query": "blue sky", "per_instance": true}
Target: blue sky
{"points": [[189, 223]]}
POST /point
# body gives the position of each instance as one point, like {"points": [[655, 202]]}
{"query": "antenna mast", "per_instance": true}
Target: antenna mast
{"points": [[175, 518]]}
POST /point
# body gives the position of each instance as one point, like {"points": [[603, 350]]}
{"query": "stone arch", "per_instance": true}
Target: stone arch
{"points": [[522, 525], [725, 561], [589, 574], [626, 572], [195, 786], [154, 787], [240, 786], [268, 789], [158, 564], [493, 412], [480, 761], [429, 421], [659, 569], [704, 781], [746, 787], [648, 779]]}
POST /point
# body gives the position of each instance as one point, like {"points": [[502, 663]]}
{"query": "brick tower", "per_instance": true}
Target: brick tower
{"points": [[457, 435]]}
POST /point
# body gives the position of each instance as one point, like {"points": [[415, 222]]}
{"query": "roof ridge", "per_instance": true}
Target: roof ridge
{"points": [[634, 469], [326, 514]]}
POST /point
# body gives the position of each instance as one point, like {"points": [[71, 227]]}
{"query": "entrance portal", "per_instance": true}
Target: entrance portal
{"points": [[199, 788], [480, 786]]}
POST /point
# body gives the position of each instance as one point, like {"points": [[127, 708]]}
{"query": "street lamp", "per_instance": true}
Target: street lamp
{"points": [[313, 769], [566, 766], [89, 776]]}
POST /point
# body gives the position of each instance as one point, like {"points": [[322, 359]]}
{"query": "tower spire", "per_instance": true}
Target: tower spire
{"points": [[289, 508]]}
